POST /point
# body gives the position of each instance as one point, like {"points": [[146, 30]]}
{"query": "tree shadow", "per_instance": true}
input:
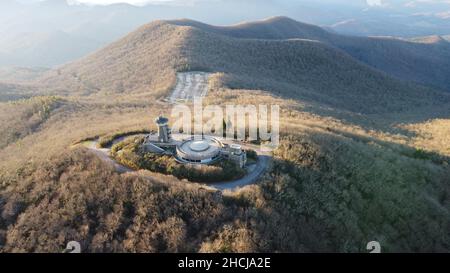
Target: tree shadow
{"points": [[323, 200]]}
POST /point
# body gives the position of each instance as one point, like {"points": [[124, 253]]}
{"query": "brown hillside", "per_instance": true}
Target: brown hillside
{"points": [[9, 91], [145, 62], [275, 28], [334, 185], [426, 63], [305, 70]]}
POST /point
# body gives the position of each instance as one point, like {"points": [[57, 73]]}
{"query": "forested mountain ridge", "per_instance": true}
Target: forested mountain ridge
{"points": [[146, 61], [426, 63], [332, 186]]}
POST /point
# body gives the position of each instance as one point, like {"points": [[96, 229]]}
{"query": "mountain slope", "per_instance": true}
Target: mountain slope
{"points": [[273, 28], [11, 92], [45, 49], [426, 63], [306, 70], [334, 186], [145, 62]]}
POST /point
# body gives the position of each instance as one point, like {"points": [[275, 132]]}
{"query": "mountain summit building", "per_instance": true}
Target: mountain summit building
{"points": [[192, 149], [164, 132]]}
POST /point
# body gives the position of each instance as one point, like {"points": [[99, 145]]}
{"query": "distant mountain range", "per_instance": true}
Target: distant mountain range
{"points": [[280, 55], [52, 32], [363, 155], [424, 60]]}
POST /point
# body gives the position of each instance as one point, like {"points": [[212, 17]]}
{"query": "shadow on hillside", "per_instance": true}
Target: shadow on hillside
{"points": [[387, 122], [324, 197], [369, 114], [401, 149]]}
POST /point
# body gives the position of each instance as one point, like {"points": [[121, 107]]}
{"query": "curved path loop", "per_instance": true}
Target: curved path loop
{"points": [[248, 179], [190, 85], [262, 164]]}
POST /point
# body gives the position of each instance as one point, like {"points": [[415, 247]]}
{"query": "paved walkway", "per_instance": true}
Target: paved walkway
{"points": [[189, 85], [250, 178]]}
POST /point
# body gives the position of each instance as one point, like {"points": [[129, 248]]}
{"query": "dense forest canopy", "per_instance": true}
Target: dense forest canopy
{"points": [[364, 153]]}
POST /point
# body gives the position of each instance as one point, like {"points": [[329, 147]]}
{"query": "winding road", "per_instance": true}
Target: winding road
{"points": [[190, 85], [104, 155], [252, 177]]}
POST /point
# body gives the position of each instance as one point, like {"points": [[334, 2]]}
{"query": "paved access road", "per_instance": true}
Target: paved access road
{"points": [[252, 177], [189, 85], [105, 155]]}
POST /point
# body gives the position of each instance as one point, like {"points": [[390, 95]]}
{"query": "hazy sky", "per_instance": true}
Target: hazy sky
{"points": [[142, 2], [133, 2], [369, 2], [52, 33]]}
